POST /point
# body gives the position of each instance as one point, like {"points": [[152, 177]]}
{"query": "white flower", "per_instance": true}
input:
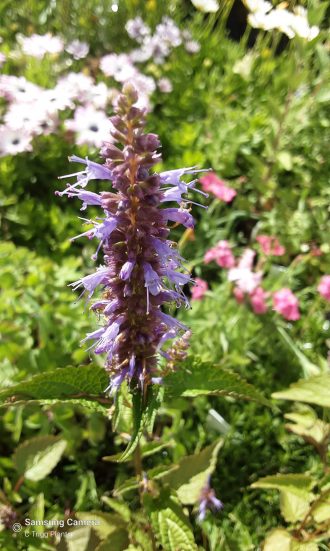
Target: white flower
{"points": [[54, 100], [14, 141], [192, 46], [30, 118], [207, 6], [168, 32], [97, 95], [18, 89], [245, 279], [38, 45], [281, 19], [118, 66], [291, 24], [301, 26], [77, 49], [165, 85], [90, 125], [137, 29], [258, 6], [74, 85]]}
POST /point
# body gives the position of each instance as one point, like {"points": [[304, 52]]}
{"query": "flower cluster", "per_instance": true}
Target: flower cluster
{"points": [[78, 101], [142, 268], [263, 16], [247, 279], [154, 47]]}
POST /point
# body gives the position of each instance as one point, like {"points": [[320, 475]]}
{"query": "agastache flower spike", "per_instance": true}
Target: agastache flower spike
{"points": [[140, 271]]}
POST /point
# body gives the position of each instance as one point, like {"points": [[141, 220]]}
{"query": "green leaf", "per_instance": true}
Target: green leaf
{"points": [[278, 540], [281, 540], [119, 506], [321, 507], [105, 523], [118, 541], [37, 512], [78, 538], [298, 484], [293, 507], [144, 412], [304, 546], [195, 378], [284, 160], [170, 525], [192, 474], [309, 368], [314, 390], [36, 458], [307, 425], [66, 382], [89, 405]]}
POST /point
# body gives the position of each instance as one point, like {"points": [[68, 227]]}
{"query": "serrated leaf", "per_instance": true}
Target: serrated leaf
{"points": [[170, 525], [65, 382], [293, 507], [195, 378], [315, 390], [37, 457], [193, 473], [298, 484], [90, 405]]}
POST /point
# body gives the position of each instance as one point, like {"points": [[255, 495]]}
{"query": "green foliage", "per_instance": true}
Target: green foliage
{"points": [[171, 526], [201, 378], [36, 458], [192, 474], [255, 110], [314, 390]]}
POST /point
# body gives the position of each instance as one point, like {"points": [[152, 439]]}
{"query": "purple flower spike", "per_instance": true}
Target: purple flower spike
{"points": [[142, 268]]}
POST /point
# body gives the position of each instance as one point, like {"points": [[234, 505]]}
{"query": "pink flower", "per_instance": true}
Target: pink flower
{"points": [[258, 300], [324, 287], [211, 182], [286, 304], [199, 289], [222, 254], [270, 245], [238, 294]]}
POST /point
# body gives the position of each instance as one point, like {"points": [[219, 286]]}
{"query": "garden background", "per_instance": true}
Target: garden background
{"points": [[224, 89]]}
